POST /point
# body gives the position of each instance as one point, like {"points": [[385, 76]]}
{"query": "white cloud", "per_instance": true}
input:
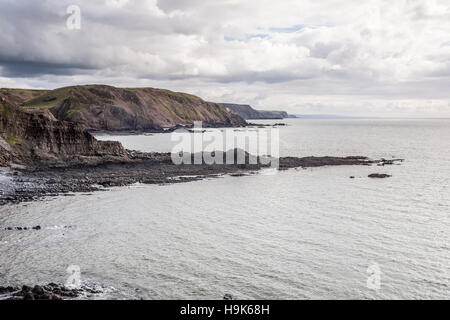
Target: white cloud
{"points": [[375, 56]]}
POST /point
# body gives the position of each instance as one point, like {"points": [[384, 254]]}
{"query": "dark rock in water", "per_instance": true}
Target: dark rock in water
{"points": [[28, 296], [37, 228], [352, 177], [51, 291], [4, 290], [384, 162], [227, 296], [237, 174], [379, 175], [38, 290], [26, 289]]}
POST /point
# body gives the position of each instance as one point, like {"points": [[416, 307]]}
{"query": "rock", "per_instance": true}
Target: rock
{"points": [[26, 289], [38, 290], [51, 291], [149, 168], [9, 289], [41, 140], [37, 228], [45, 296], [379, 175], [237, 174], [28, 296], [352, 177]]}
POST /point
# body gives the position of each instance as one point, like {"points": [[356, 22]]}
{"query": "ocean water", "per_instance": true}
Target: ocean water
{"points": [[297, 234]]}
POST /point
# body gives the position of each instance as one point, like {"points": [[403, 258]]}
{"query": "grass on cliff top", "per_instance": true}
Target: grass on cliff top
{"points": [[19, 96], [176, 106], [5, 109], [13, 140], [179, 94], [48, 100], [94, 94]]}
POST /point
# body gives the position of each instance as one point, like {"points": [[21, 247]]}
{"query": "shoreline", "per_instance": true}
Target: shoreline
{"points": [[32, 184], [130, 132]]}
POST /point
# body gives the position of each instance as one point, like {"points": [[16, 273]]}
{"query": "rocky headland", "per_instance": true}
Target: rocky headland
{"points": [[247, 112], [42, 155], [107, 108]]}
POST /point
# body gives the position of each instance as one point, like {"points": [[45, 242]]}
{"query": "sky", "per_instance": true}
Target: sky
{"points": [[344, 57]]}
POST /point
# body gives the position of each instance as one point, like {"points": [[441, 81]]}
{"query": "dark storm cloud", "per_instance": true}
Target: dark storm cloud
{"points": [[20, 69]]}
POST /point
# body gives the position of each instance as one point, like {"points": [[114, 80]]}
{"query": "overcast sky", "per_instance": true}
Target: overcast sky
{"points": [[372, 57]]}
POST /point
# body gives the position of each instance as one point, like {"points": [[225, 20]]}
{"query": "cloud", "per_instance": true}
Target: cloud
{"points": [[373, 52]]}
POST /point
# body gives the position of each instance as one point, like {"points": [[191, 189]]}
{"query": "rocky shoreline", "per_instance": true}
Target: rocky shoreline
{"points": [[51, 291], [148, 168]]}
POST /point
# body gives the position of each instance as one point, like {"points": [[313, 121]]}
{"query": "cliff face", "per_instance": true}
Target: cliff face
{"points": [[34, 139], [274, 114], [247, 112], [100, 107], [244, 110]]}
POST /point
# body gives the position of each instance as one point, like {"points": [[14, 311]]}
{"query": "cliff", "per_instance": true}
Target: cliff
{"points": [[100, 107], [247, 112], [274, 114], [34, 139]]}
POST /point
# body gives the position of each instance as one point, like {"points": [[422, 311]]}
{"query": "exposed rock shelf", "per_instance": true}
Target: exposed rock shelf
{"points": [[147, 168]]}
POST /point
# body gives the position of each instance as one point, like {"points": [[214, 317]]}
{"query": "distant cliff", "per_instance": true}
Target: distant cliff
{"points": [[247, 112], [100, 107], [274, 114], [33, 139]]}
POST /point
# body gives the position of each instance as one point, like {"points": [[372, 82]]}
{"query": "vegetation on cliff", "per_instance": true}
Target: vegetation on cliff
{"points": [[100, 107], [247, 112]]}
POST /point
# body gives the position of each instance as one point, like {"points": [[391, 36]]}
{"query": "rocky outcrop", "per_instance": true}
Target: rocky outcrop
{"points": [[247, 112], [51, 291], [33, 139], [100, 107], [379, 175]]}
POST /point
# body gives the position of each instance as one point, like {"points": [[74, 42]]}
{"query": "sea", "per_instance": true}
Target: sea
{"points": [[309, 233]]}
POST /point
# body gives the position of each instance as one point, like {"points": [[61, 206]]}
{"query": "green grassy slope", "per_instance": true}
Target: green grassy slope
{"points": [[102, 107]]}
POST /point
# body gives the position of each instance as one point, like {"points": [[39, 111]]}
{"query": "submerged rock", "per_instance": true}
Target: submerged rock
{"points": [[379, 175]]}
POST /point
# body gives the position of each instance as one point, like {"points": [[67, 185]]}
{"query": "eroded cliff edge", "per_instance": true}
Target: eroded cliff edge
{"points": [[28, 139]]}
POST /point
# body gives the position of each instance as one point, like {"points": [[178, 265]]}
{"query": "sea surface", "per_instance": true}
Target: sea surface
{"points": [[296, 234]]}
